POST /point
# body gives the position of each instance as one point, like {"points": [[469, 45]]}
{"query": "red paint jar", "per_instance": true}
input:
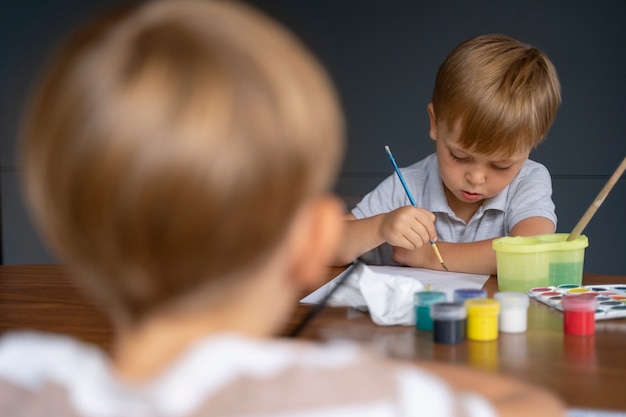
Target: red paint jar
{"points": [[579, 314]]}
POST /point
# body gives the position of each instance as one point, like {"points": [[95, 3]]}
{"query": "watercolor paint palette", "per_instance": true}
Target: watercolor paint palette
{"points": [[611, 298]]}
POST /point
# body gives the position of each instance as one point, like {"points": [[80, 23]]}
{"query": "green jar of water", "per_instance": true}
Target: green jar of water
{"points": [[525, 262]]}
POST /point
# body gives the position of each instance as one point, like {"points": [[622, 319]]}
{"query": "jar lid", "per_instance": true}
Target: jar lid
{"points": [[448, 311], [429, 297], [539, 243], [482, 306], [510, 299], [462, 294], [579, 302]]}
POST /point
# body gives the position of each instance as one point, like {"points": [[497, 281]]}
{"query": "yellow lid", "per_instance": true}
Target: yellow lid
{"points": [[482, 306], [538, 243]]}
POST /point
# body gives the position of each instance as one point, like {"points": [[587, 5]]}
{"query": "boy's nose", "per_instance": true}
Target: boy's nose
{"points": [[475, 177]]}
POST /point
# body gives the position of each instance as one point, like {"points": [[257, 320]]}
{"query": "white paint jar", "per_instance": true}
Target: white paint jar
{"points": [[513, 311]]}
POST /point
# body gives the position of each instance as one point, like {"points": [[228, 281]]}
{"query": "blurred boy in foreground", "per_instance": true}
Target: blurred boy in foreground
{"points": [[178, 159]]}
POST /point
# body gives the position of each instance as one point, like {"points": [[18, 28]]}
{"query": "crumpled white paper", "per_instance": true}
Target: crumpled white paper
{"points": [[387, 291], [389, 298]]}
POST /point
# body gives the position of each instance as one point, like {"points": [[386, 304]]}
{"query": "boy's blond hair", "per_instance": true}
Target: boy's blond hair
{"points": [[503, 94], [170, 147]]}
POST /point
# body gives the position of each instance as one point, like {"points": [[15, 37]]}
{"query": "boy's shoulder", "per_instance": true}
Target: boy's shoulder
{"points": [[531, 164], [531, 178], [532, 171], [66, 373]]}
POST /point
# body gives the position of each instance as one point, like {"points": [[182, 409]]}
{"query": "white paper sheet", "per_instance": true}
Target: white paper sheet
{"points": [[431, 279]]}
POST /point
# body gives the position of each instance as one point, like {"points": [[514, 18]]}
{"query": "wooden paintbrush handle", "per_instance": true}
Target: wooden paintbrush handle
{"points": [[578, 229]]}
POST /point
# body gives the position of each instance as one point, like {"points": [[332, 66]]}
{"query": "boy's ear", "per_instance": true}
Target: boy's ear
{"points": [[433, 121], [315, 241]]}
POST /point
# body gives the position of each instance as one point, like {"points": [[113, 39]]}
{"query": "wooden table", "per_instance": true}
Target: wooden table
{"points": [[586, 372]]}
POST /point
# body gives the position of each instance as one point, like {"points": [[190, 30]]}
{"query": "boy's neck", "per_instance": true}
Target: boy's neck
{"points": [[255, 311], [464, 211]]}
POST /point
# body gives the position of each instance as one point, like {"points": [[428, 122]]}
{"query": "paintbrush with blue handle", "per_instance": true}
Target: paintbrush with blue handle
{"points": [[408, 194]]}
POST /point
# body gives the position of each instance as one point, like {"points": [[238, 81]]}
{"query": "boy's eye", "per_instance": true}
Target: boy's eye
{"points": [[501, 168], [458, 158]]}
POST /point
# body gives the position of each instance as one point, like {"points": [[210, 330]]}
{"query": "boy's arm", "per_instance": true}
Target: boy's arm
{"points": [[533, 226], [359, 236], [471, 257], [406, 227]]}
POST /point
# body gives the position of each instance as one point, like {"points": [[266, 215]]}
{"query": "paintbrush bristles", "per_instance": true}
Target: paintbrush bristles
{"points": [[584, 220]]}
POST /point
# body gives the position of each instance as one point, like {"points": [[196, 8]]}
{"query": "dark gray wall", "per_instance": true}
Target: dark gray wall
{"points": [[28, 31], [383, 56]]}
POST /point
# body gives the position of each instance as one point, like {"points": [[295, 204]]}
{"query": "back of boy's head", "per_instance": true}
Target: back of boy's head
{"points": [[504, 95], [170, 147]]}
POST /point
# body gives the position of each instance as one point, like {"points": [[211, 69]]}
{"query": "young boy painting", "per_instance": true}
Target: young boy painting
{"points": [[493, 102], [178, 158]]}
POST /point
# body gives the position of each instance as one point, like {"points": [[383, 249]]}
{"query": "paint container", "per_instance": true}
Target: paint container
{"points": [[422, 300], [525, 262], [513, 311], [482, 318], [462, 294], [448, 323], [579, 314]]}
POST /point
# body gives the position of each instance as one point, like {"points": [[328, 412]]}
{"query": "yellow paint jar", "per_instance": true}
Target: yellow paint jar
{"points": [[482, 318]]}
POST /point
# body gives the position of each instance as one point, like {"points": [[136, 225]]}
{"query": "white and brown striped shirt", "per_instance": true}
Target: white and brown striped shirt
{"points": [[227, 375]]}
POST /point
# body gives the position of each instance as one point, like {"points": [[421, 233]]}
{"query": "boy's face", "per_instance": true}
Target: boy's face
{"points": [[470, 177]]}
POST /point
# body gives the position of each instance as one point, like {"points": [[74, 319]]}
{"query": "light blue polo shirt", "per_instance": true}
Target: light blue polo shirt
{"points": [[528, 195]]}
